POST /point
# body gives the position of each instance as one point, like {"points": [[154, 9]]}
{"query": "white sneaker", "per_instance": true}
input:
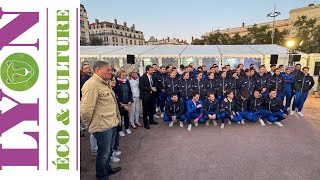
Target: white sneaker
{"points": [[269, 122], [292, 113], [229, 122], [238, 122], [300, 114], [128, 131], [121, 133], [189, 127], [115, 159], [214, 123], [170, 123], [156, 116], [133, 125], [261, 122], [222, 125], [278, 123], [196, 124], [288, 108], [181, 123], [138, 123], [162, 114], [157, 109], [242, 121], [207, 123], [116, 153]]}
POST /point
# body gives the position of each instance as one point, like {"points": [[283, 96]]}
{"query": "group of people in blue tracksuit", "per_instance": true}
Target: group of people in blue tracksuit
{"points": [[231, 95]]}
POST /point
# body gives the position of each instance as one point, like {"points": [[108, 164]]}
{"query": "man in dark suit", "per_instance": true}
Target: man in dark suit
{"points": [[148, 87]]}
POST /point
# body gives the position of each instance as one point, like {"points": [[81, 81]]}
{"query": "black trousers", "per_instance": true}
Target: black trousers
{"points": [[148, 109], [125, 115]]}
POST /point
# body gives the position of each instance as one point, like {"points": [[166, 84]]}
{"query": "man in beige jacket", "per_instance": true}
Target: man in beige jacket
{"points": [[100, 113]]}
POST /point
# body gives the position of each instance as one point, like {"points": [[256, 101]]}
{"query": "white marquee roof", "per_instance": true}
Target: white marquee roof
{"points": [[175, 51]]}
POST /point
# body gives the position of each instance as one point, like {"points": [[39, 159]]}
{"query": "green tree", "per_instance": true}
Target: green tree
{"points": [[198, 41], [236, 39], [213, 39], [279, 36], [224, 39], [316, 40], [83, 42], [308, 32], [217, 38], [95, 41], [259, 35]]}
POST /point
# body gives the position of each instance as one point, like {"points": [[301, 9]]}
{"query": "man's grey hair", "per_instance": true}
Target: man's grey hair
{"points": [[99, 64]]}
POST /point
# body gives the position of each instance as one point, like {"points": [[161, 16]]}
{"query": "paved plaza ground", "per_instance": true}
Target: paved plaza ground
{"points": [[247, 151]]}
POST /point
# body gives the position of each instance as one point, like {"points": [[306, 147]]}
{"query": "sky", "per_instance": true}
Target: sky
{"points": [[183, 19]]}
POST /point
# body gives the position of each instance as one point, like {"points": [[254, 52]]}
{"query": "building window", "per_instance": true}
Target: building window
{"points": [[104, 39], [134, 36], [81, 23], [121, 40], [126, 41], [107, 39], [130, 41], [125, 34], [135, 42], [120, 33], [130, 35]]}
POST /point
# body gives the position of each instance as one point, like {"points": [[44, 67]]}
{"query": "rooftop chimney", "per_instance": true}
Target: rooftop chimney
{"points": [[168, 39], [96, 21], [243, 24], [133, 27], [192, 38], [115, 21], [124, 24]]}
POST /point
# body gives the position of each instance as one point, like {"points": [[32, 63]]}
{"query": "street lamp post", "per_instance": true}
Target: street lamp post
{"points": [[274, 15]]}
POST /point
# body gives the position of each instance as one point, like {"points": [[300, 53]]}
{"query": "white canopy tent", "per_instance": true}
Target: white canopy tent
{"points": [[184, 54]]}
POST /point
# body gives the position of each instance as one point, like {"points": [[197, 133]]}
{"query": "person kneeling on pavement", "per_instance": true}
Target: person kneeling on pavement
{"points": [[256, 107], [227, 109], [242, 107], [194, 110], [275, 106], [174, 110], [211, 109]]}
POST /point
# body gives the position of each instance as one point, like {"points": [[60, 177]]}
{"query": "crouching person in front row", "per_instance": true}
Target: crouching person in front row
{"points": [[227, 109], [256, 107], [194, 110], [242, 111], [174, 110], [211, 109], [275, 106]]}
